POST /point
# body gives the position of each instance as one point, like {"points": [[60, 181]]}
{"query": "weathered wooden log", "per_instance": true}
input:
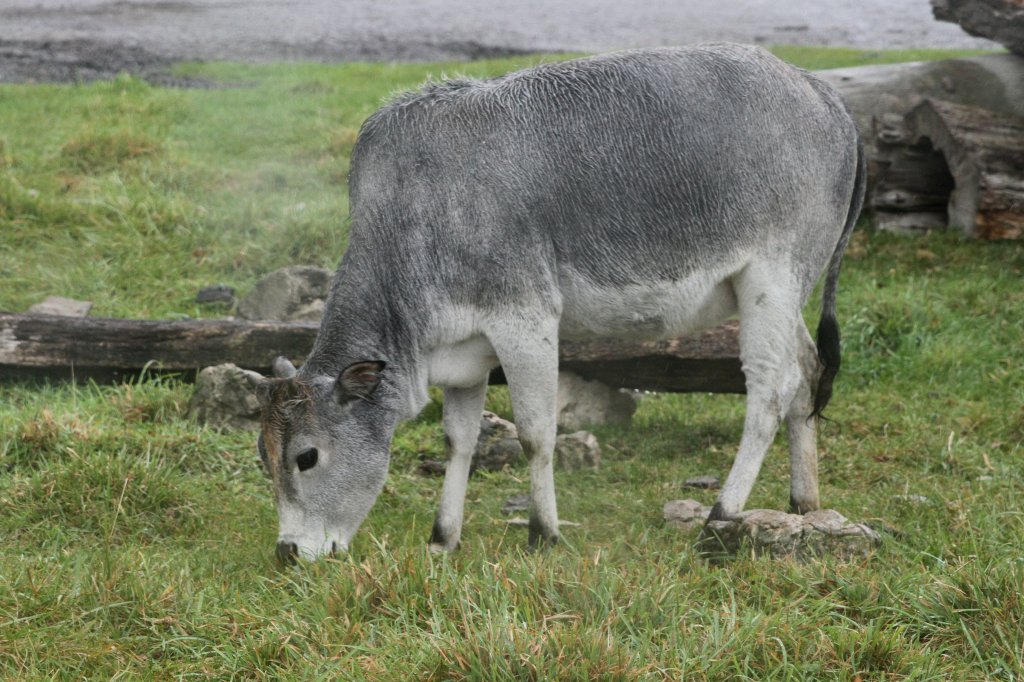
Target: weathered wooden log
{"points": [[985, 154], [998, 20], [105, 349], [110, 348], [704, 362]]}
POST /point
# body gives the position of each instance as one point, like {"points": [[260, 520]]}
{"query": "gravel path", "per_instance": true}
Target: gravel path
{"points": [[82, 39]]}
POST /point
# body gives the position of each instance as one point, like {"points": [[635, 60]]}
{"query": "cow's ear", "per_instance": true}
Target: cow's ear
{"points": [[263, 393], [359, 380], [283, 368]]}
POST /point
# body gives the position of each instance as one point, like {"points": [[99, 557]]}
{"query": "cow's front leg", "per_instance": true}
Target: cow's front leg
{"points": [[462, 410], [530, 362]]}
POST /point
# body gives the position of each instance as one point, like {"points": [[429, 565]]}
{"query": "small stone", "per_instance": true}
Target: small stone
{"points": [[703, 482], [516, 503], [433, 467], [575, 451], [58, 305], [224, 397], [498, 444], [912, 499], [586, 403], [685, 514], [216, 293], [777, 534], [524, 523]]}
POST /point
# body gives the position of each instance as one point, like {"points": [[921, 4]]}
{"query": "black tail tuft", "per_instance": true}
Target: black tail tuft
{"points": [[828, 328], [828, 354]]}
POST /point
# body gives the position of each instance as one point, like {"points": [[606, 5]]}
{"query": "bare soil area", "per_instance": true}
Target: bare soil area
{"points": [[61, 40]]}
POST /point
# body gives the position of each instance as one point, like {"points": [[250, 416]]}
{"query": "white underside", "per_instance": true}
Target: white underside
{"points": [[647, 311], [465, 355]]}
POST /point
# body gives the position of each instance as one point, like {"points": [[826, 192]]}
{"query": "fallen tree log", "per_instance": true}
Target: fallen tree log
{"points": [[704, 362], [109, 349]]}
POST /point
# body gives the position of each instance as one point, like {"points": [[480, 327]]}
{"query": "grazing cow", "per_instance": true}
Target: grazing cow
{"points": [[640, 194]]}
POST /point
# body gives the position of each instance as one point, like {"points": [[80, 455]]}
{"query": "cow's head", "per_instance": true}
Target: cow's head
{"points": [[325, 443]]}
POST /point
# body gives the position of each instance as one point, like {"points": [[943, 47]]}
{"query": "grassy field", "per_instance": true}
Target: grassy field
{"points": [[137, 545]]}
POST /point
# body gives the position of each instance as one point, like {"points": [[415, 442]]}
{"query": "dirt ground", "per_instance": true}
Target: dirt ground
{"points": [[70, 40]]}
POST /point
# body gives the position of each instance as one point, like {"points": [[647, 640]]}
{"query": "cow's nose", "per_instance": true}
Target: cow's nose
{"points": [[287, 552]]}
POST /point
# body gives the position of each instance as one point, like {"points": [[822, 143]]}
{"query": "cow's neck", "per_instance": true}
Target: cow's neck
{"points": [[370, 316]]}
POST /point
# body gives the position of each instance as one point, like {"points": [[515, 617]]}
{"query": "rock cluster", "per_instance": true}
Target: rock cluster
{"points": [[292, 294], [498, 446], [778, 534]]}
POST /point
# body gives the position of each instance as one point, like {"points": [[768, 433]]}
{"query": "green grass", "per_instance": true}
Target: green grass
{"points": [[138, 545]]}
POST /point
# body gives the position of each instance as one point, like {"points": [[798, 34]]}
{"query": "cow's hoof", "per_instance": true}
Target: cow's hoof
{"points": [[717, 513], [803, 507], [540, 537]]}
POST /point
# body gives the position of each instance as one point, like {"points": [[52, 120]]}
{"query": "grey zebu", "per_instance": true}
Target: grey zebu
{"points": [[641, 194]]}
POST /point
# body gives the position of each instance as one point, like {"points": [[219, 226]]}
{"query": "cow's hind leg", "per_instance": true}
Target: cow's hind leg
{"points": [[769, 322], [462, 410], [800, 427], [528, 353]]}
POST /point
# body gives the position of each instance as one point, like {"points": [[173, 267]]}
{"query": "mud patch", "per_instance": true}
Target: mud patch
{"points": [[119, 8], [382, 48], [82, 61]]}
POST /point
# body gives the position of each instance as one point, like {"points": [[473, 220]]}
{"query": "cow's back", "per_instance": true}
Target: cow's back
{"points": [[638, 169]]}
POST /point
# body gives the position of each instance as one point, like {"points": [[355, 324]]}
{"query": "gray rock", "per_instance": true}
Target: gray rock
{"points": [[777, 534], [498, 444], [292, 294], [575, 451], [685, 514], [703, 483], [516, 503], [585, 403], [216, 293], [224, 397], [58, 305]]}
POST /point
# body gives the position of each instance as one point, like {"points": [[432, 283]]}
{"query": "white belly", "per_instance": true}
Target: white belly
{"points": [[646, 311], [461, 364]]}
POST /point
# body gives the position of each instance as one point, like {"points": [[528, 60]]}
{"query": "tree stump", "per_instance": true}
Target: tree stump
{"points": [[950, 165], [913, 183], [998, 20], [985, 154]]}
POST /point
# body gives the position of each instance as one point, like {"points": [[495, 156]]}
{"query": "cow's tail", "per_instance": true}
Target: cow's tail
{"points": [[828, 328]]}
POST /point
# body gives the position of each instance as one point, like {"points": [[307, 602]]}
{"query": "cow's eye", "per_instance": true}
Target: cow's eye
{"points": [[306, 459]]}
